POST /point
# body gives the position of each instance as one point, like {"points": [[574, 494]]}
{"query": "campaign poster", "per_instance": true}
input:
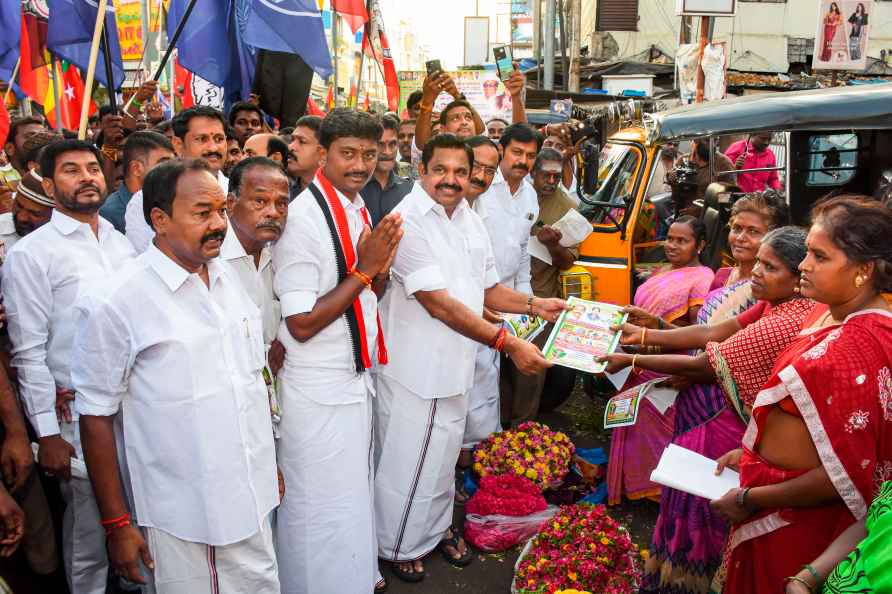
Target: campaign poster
{"points": [[128, 17], [583, 334], [481, 87], [843, 34]]}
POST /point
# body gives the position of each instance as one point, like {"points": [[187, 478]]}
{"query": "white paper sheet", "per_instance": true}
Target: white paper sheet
{"points": [[78, 467], [538, 250], [682, 469], [574, 229], [619, 378], [662, 397]]}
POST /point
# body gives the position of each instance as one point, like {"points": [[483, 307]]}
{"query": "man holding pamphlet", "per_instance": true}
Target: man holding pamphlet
{"points": [[442, 277]]}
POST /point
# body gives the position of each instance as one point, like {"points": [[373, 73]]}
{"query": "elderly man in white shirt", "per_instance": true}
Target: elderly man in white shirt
{"points": [[327, 267], [512, 208], [44, 274], [176, 344], [442, 277], [198, 132]]}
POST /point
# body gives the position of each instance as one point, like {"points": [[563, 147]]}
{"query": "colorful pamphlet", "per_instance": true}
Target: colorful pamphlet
{"points": [[583, 334], [523, 326]]}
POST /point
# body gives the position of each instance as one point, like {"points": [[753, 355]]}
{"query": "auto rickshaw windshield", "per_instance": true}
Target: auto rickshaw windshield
{"points": [[617, 167]]}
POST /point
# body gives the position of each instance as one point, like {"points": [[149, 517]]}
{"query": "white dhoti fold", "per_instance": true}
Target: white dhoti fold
{"points": [[417, 446], [183, 567], [83, 538], [483, 399], [325, 533]]}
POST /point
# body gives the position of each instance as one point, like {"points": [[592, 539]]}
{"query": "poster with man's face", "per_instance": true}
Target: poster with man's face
{"points": [[843, 34]]}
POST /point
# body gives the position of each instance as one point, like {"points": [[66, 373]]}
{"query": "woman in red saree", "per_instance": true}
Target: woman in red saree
{"points": [[819, 443], [832, 21]]}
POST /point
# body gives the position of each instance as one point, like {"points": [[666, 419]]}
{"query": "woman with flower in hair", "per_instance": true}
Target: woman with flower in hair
{"points": [[819, 444]]}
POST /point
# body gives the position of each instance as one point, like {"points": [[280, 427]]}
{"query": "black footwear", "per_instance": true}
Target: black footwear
{"points": [[411, 577], [453, 542]]}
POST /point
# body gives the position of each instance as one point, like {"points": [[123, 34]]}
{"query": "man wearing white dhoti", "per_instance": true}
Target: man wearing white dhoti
{"points": [[442, 276], [176, 343], [326, 263]]}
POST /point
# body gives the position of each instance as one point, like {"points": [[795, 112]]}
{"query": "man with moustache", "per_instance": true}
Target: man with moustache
{"points": [[176, 343], [304, 151], [44, 273], [257, 206], [199, 132], [512, 208], [523, 392], [246, 119], [328, 265], [442, 277], [483, 398], [386, 189]]}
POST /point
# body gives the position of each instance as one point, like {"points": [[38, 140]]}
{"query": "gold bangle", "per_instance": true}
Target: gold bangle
{"points": [[634, 359], [796, 578], [643, 335]]}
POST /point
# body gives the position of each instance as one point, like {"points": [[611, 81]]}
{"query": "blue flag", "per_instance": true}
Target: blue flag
{"points": [[203, 46], [292, 26], [70, 34], [10, 32]]}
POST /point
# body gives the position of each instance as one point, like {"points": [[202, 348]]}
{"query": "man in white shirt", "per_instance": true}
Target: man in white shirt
{"points": [[442, 277], [326, 263], [483, 398], [257, 206], [513, 207], [44, 273], [199, 132], [176, 344]]}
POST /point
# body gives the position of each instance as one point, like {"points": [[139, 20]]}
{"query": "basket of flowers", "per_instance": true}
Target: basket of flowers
{"points": [[505, 511], [581, 548], [532, 450]]}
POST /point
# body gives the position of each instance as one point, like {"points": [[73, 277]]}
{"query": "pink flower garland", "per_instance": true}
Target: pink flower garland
{"points": [[506, 495], [584, 549]]}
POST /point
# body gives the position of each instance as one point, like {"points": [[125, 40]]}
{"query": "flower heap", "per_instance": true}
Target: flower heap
{"points": [[582, 548], [532, 450], [506, 495]]}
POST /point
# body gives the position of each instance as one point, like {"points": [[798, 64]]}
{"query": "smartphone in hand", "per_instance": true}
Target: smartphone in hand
{"points": [[433, 67], [504, 61]]}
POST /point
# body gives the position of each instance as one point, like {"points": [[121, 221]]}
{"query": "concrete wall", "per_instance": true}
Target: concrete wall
{"points": [[758, 35]]}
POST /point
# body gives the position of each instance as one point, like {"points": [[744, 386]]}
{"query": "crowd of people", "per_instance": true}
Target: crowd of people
{"points": [[256, 358]]}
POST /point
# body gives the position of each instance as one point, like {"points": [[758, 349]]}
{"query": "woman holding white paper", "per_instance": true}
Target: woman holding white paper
{"points": [[635, 450], [689, 537], [819, 444]]}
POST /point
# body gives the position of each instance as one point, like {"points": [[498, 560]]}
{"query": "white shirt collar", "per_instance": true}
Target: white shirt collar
{"points": [[174, 275], [232, 248], [426, 203], [67, 225], [357, 204]]}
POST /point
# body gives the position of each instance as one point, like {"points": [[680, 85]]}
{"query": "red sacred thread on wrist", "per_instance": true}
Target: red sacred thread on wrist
{"points": [[498, 343], [115, 523], [363, 278]]}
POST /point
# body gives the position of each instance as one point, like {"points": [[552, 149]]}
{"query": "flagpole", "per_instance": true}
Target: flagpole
{"points": [[109, 74], [15, 72], [57, 93], [171, 44], [91, 69], [334, 47]]}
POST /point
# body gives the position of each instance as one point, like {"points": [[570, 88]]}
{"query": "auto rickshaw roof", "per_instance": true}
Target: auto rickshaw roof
{"points": [[855, 107]]}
